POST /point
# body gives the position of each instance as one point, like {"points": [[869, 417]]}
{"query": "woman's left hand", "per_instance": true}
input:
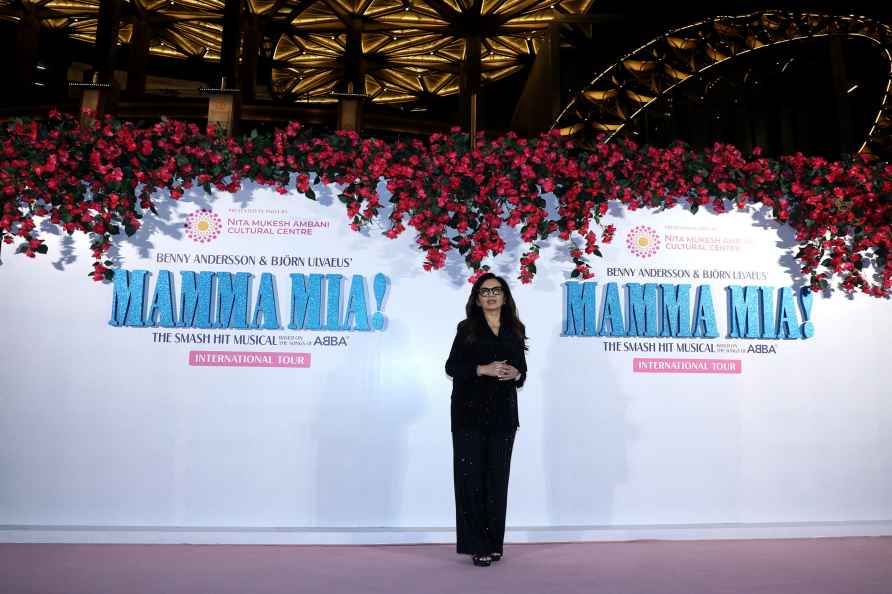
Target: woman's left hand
{"points": [[508, 373]]}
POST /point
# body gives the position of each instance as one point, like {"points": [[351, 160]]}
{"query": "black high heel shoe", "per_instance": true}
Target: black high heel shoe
{"points": [[482, 560], [495, 556]]}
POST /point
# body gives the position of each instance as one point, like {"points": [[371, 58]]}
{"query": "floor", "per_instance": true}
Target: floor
{"points": [[796, 566]]}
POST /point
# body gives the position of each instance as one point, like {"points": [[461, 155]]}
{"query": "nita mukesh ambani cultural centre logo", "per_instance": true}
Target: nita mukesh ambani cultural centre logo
{"points": [[643, 241], [203, 226]]}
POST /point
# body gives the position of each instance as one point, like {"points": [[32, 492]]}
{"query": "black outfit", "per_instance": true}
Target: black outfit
{"points": [[484, 421]]}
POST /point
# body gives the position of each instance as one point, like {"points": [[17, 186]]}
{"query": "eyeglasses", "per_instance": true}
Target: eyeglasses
{"points": [[486, 291]]}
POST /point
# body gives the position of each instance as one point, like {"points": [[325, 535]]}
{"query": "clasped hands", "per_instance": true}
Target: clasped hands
{"points": [[499, 369]]}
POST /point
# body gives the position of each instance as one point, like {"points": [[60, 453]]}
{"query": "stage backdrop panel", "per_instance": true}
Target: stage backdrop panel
{"points": [[258, 368]]}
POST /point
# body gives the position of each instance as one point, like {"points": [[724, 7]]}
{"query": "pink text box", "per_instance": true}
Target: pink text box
{"points": [[671, 365], [247, 359]]}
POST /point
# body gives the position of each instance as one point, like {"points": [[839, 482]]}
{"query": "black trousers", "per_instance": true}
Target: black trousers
{"points": [[481, 462]]}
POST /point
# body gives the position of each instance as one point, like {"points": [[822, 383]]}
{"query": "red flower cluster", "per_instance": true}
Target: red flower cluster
{"points": [[103, 179]]}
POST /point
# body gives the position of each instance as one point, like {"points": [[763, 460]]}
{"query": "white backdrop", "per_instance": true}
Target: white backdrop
{"points": [[109, 434]]}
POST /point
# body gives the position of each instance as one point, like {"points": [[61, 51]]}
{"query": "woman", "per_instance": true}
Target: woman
{"points": [[487, 365]]}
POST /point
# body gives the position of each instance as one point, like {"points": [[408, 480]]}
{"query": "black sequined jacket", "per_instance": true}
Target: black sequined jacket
{"points": [[484, 402]]}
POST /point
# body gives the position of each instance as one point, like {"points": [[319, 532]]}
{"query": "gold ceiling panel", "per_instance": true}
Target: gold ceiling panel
{"points": [[260, 6], [660, 66], [600, 95], [575, 6], [681, 42], [571, 130], [418, 16], [675, 73], [372, 42], [509, 45], [639, 97], [56, 24], [715, 54], [639, 65], [494, 75], [605, 127]]}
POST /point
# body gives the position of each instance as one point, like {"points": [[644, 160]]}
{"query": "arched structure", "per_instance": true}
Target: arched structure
{"points": [[627, 88]]}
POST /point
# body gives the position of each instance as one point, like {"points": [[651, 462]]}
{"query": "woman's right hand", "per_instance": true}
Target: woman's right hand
{"points": [[492, 369]]}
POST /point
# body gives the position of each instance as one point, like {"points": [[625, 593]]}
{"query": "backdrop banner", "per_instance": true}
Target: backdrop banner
{"points": [[256, 365]]}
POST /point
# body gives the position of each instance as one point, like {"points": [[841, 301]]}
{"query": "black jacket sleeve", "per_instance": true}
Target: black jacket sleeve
{"points": [[522, 368], [457, 365]]}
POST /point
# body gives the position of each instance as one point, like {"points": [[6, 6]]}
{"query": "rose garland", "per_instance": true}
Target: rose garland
{"points": [[103, 178]]}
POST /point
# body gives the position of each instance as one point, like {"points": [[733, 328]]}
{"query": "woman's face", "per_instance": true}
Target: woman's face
{"points": [[491, 297]]}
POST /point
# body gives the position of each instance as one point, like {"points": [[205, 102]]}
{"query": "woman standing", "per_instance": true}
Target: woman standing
{"points": [[487, 365]]}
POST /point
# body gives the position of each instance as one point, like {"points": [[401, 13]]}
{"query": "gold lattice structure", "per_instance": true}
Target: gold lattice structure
{"points": [[180, 29], [627, 88], [410, 49]]}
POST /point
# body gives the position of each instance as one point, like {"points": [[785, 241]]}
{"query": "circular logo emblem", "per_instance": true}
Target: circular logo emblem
{"points": [[643, 241], [203, 226]]}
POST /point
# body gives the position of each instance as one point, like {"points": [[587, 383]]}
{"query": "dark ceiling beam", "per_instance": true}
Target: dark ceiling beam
{"points": [[252, 38], [26, 52], [354, 61], [443, 9], [138, 58], [231, 42], [107, 28], [351, 104], [469, 83]]}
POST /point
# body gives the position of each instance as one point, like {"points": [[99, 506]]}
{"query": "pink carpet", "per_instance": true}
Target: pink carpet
{"points": [[817, 566]]}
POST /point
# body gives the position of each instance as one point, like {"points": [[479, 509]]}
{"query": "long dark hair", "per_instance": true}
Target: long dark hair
{"points": [[474, 321]]}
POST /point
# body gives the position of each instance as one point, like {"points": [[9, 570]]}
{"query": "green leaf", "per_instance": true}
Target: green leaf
{"points": [[42, 249], [694, 208]]}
